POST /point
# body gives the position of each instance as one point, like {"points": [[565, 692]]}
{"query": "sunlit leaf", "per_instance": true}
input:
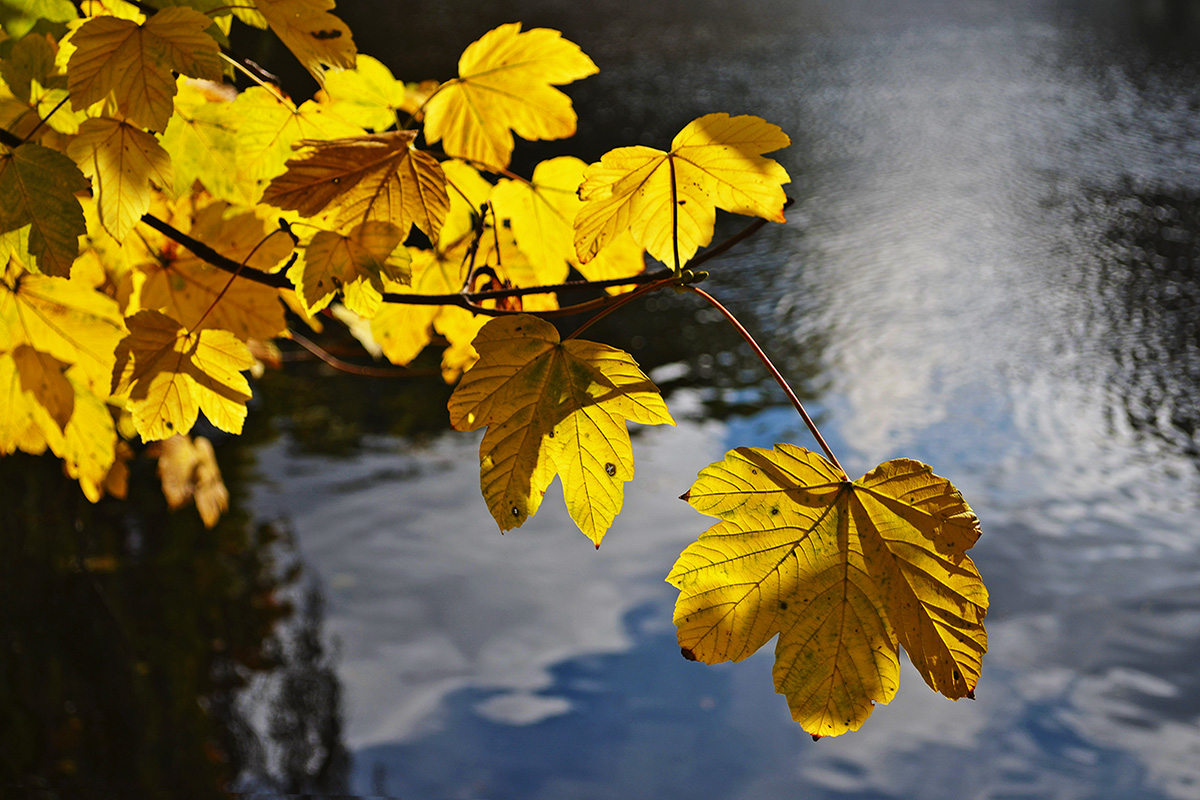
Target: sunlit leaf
{"points": [[553, 407], [714, 162], [505, 85], [135, 62], [189, 473], [355, 264], [37, 187], [66, 319], [316, 37], [370, 96], [201, 139], [843, 572], [171, 375], [122, 161], [371, 177], [268, 127]]}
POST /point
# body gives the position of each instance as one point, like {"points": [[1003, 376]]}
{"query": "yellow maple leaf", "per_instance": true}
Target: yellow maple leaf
{"points": [[505, 85], [316, 37], [370, 96], [843, 572], [171, 375], [669, 200], [355, 264], [553, 407], [268, 126], [122, 162], [189, 473], [376, 176], [198, 295], [202, 141], [37, 187], [134, 62], [542, 215], [47, 403], [66, 319]]}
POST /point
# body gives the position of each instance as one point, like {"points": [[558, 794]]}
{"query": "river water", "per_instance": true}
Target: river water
{"points": [[991, 266]]}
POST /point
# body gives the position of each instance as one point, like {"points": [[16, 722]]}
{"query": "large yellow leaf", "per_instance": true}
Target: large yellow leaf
{"points": [[268, 126], [355, 264], [201, 139], [316, 37], [505, 84], [714, 162], [371, 177], [542, 214], [134, 62], [553, 407], [843, 572], [171, 375], [370, 96], [122, 161], [66, 319], [37, 187]]}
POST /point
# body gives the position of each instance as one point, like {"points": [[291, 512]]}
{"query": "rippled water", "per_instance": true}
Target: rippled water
{"points": [[991, 265]]}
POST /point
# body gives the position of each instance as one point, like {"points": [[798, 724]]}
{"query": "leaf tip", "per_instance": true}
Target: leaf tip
{"points": [[688, 654], [816, 737], [970, 694], [686, 495]]}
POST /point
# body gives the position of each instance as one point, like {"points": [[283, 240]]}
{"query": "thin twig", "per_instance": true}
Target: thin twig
{"points": [[355, 369], [812, 426]]}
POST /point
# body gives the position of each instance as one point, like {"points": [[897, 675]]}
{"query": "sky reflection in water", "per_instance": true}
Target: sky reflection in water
{"points": [[991, 263]]}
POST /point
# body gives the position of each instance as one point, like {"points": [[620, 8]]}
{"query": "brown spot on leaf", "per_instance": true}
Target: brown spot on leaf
{"points": [[611, 469], [688, 654], [324, 35]]}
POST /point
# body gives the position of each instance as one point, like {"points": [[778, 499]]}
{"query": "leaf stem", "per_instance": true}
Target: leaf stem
{"points": [[812, 426], [622, 300], [355, 369]]}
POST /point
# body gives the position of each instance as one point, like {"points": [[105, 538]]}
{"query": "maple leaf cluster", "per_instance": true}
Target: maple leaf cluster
{"points": [[159, 228]]}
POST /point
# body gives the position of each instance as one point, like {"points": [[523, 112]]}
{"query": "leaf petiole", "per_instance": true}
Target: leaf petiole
{"points": [[812, 426]]}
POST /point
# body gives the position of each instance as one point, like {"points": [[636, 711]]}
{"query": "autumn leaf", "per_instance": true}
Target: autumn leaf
{"points": [[202, 141], [135, 62], [370, 96], [714, 162], [541, 213], [66, 319], [843, 572], [268, 126], [123, 162], [553, 407], [505, 85], [189, 473], [316, 37], [196, 295], [371, 177], [171, 375], [355, 264], [37, 187]]}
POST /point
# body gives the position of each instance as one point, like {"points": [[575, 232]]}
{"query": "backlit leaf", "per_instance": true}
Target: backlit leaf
{"points": [[505, 85], [135, 62], [122, 162], [171, 375], [371, 177], [355, 264], [268, 126], [843, 572], [44, 376], [189, 473], [201, 139], [37, 187], [370, 96], [316, 37], [714, 162], [553, 407], [66, 319]]}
